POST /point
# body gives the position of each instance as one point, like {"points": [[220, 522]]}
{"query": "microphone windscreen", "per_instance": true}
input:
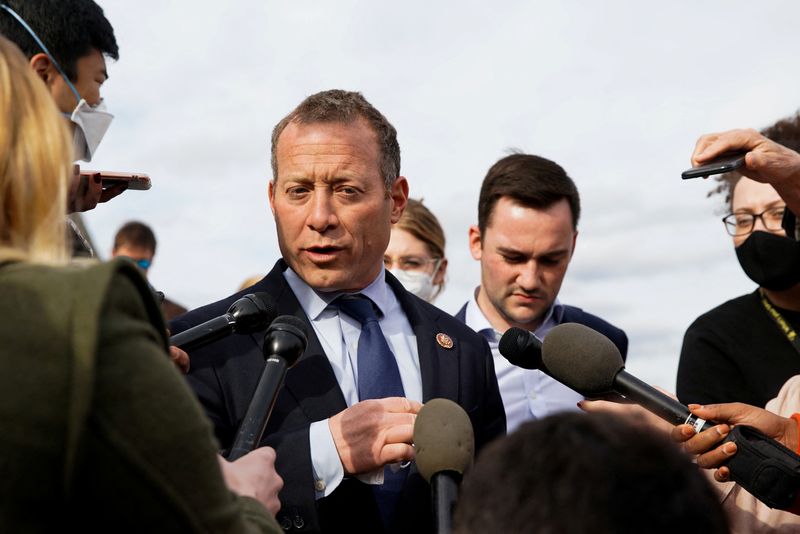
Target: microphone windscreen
{"points": [[519, 347], [581, 358], [443, 438], [291, 320], [253, 312]]}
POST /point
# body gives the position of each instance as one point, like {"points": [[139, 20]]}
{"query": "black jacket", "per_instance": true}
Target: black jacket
{"points": [[224, 376]]}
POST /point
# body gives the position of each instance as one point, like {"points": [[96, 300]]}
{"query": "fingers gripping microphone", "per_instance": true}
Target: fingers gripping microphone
{"points": [[249, 314], [284, 343], [444, 445], [588, 362]]}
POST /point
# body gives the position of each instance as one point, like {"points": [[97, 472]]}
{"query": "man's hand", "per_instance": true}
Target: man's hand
{"points": [[254, 475], [180, 359], [85, 192], [705, 444], [374, 433], [766, 160]]}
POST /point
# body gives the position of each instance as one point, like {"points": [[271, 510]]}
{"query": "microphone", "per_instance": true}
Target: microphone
{"points": [[522, 349], [284, 343], [444, 445], [251, 313], [588, 362]]}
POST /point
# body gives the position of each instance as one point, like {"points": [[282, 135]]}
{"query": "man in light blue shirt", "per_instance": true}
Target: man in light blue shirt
{"points": [[527, 228]]}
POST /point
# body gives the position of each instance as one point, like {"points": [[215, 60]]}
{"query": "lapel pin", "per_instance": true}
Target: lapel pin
{"points": [[444, 340]]}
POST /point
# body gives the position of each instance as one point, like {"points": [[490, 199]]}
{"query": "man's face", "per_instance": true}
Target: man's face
{"points": [[141, 256], [331, 207], [91, 74], [524, 254]]}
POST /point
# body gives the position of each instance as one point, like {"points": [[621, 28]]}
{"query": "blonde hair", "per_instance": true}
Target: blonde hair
{"points": [[35, 164], [418, 221]]}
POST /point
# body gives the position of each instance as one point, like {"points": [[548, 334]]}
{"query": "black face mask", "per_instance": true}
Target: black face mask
{"points": [[771, 261]]}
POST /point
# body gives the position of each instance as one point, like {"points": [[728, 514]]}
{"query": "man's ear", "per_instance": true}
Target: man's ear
{"points": [[43, 66], [271, 195], [475, 244], [574, 240], [399, 194]]}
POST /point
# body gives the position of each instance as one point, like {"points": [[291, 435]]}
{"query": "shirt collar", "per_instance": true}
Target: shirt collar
{"points": [[315, 302], [476, 320]]}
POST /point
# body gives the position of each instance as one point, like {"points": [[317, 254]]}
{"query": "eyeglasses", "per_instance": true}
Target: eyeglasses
{"points": [[410, 263], [738, 224]]}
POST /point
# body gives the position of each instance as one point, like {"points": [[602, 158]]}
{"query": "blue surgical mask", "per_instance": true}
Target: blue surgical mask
{"points": [[91, 122]]}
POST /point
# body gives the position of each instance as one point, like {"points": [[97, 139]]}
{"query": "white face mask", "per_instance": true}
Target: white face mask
{"points": [[418, 283], [91, 124]]}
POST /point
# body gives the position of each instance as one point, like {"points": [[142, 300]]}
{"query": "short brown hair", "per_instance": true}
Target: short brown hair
{"points": [[785, 132], [345, 107], [137, 234], [418, 221], [531, 181]]}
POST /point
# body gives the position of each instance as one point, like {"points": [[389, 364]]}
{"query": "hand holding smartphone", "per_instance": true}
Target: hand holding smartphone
{"points": [[727, 162], [135, 181]]}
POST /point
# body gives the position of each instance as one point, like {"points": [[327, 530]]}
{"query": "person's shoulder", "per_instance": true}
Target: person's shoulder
{"points": [[573, 314], [80, 277], [204, 313], [729, 311], [215, 309]]}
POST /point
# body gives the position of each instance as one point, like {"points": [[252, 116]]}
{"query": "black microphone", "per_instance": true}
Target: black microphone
{"points": [[284, 343], [251, 313], [588, 362], [444, 445], [522, 349]]}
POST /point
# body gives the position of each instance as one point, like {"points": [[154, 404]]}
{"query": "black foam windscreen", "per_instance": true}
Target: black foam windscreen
{"points": [[521, 348], [443, 438], [293, 321], [253, 312], [581, 358]]}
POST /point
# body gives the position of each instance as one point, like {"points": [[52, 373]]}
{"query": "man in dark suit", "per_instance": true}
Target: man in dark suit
{"points": [[343, 422], [528, 213]]}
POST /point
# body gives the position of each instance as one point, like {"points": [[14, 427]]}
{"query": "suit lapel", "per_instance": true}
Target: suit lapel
{"points": [[311, 381], [438, 365]]}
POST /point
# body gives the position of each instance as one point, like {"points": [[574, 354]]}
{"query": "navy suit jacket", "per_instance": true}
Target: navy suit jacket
{"points": [[224, 376], [577, 315]]}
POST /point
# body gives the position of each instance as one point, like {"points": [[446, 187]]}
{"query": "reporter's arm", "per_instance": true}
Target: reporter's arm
{"points": [[148, 438]]}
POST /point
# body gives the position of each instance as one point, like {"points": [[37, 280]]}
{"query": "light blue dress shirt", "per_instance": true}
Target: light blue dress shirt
{"points": [[338, 335], [527, 393]]}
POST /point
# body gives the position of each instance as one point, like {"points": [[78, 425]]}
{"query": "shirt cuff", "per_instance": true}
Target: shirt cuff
{"points": [[325, 462]]}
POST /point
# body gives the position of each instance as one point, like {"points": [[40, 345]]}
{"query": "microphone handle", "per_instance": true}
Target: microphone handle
{"points": [[204, 333], [658, 403], [444, 486], [251, 430]]}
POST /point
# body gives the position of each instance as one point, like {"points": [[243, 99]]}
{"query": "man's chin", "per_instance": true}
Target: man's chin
{"points": [[525, 317]]}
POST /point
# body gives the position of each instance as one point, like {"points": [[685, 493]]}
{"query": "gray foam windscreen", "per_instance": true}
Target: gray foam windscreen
{"points": [[581, 358], [443, 438]]}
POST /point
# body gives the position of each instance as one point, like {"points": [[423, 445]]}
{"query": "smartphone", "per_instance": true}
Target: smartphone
{"points": [[137, 181], [730, 161]]}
